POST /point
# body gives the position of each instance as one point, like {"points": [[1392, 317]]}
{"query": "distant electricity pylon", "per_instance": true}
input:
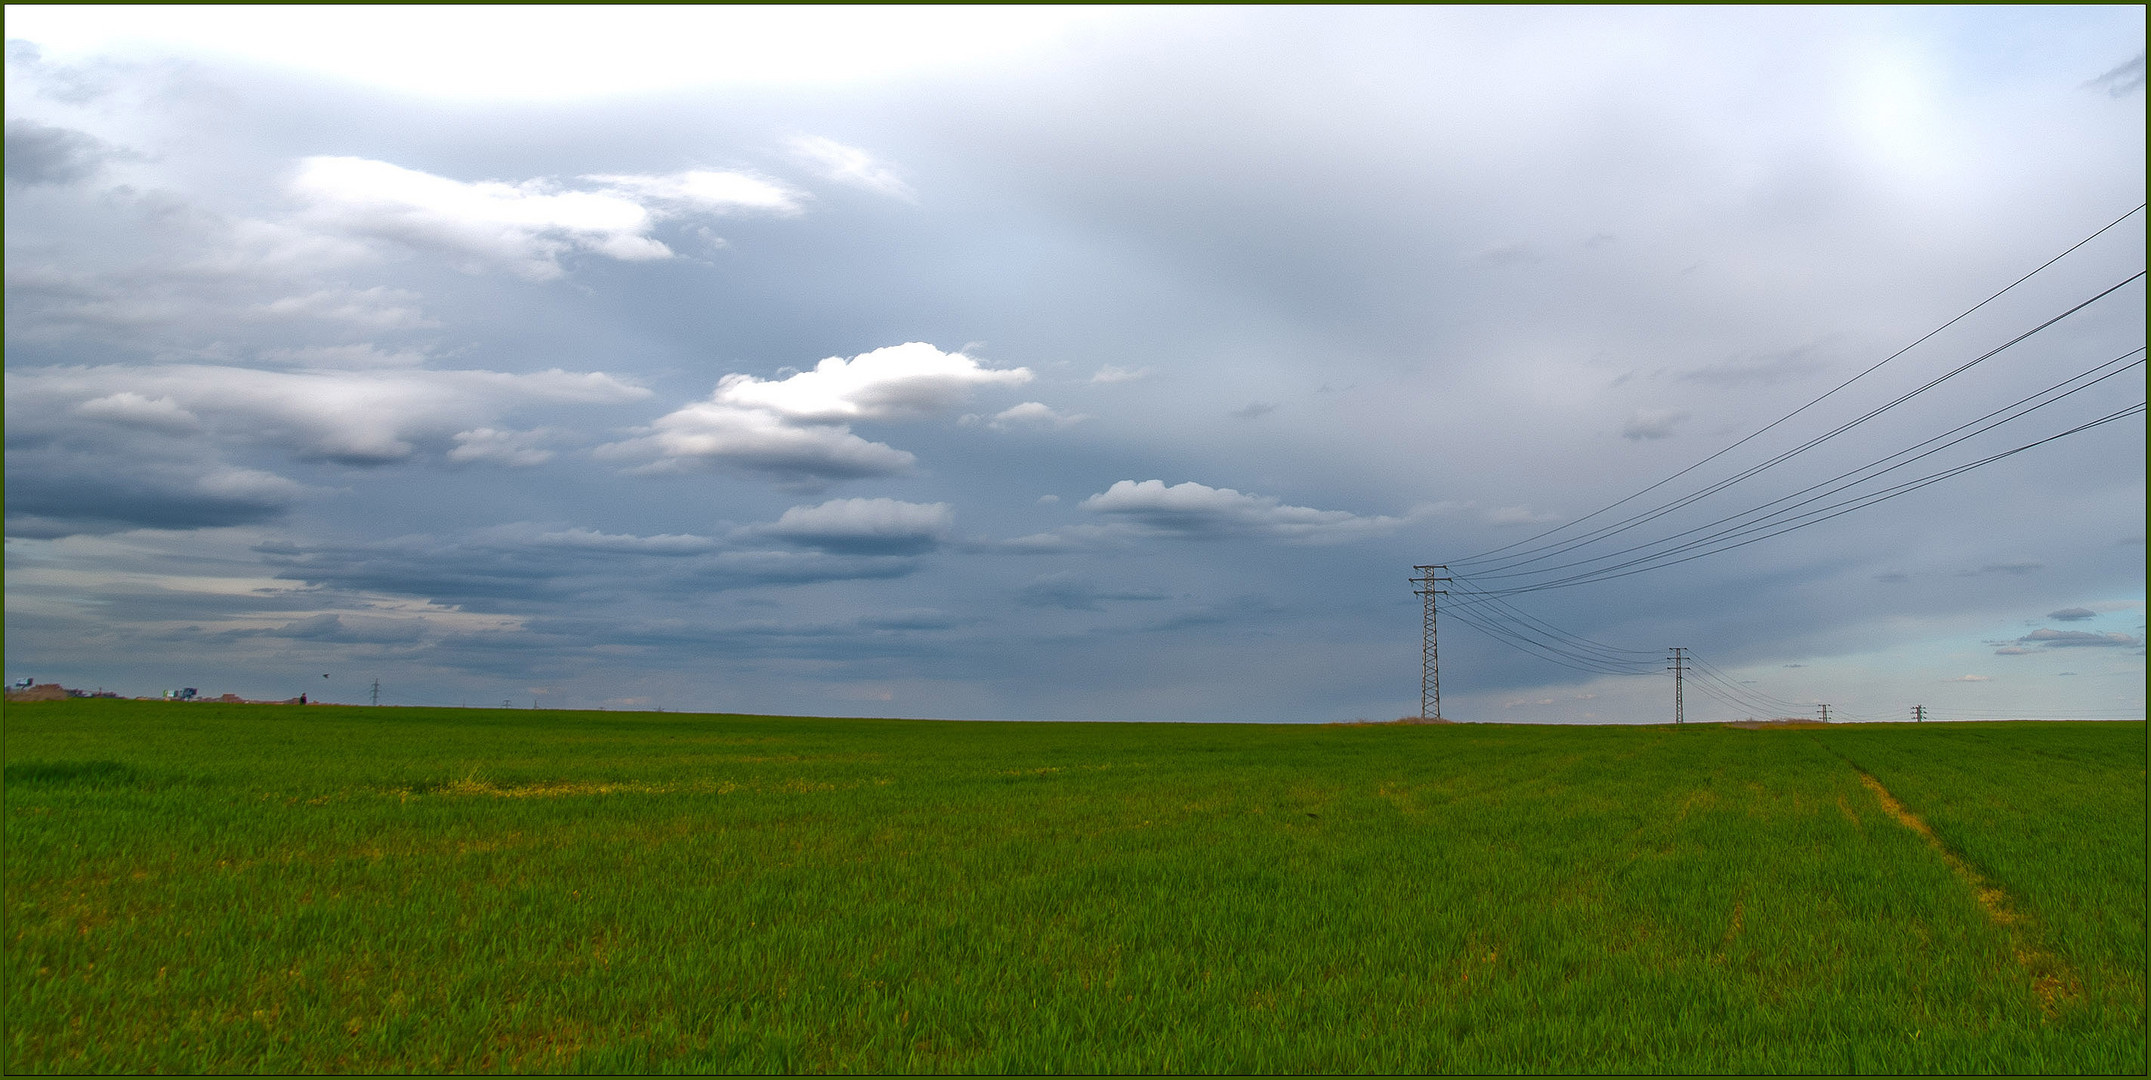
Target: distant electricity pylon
{"points": [[1919, 714], [377, 691], [1824, 710], [1680, 667], [1429, 660]]}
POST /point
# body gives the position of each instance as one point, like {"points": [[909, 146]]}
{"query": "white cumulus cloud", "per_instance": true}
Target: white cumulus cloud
{"points": [[1033, 414], [1112, 374], [798, 428], [912, 381], [526, 226], [627, 543], [1201, 512], [705, 191], [863, 526], [706, 432], [850, 165], [521, 449], [353, 416], [130, 409], [344, 356], [378, 308]]}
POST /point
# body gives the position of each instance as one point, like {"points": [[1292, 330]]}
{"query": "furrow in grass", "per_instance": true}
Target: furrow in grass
{"points": [[2056, 984]]}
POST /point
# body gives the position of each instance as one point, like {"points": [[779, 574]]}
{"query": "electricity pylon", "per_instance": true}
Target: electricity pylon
{"points": [[1679, 660], [1429, 658]]}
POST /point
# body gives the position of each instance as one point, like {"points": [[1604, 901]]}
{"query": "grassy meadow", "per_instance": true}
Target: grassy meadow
{"points": [[206, 887]]}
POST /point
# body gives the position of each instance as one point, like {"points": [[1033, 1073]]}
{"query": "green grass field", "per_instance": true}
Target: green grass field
{"points": [[262, 888]]}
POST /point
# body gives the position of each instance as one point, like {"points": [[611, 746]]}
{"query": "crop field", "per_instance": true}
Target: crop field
{"points": [[262, 888]]}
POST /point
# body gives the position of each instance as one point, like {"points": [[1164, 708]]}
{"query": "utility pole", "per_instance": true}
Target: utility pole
{"points": [[1679, 660], [1919, 714], [377, 691], [1429, 660], [1825, 711]]}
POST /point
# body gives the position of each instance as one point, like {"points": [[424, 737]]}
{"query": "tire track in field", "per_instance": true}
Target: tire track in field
{"points": [[2052, 979]]}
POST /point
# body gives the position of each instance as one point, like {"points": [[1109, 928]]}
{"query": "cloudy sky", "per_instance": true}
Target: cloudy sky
{"points": [[1083, 364]]}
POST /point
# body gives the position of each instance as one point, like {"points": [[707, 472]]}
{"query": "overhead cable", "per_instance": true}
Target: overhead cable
{"points": [[1818, 516], [1524, 558], [1864, 473], [1959, 317]]}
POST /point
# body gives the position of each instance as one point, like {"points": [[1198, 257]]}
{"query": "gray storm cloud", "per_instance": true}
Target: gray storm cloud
{"points": [[44, 154]]}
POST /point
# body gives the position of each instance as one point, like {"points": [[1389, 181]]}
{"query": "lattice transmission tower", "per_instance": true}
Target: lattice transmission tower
{"points": [[1679, 668], [1428, 584]]}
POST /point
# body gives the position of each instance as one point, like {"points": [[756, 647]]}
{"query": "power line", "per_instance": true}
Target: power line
{"points": [[1508, 564], [1961, 316], [1716, 686], [1862, 474], [1594, 655], [1552, 654], [1524, 637], [1716, 674], [1501, 619], [1613, 652], [1748, 697], [2054, 390], [1815, 517], [1488, 610], [1737, 704]]}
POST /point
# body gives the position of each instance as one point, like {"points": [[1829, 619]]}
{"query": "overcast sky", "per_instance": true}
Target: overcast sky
{"points": [[1052, 364]]}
